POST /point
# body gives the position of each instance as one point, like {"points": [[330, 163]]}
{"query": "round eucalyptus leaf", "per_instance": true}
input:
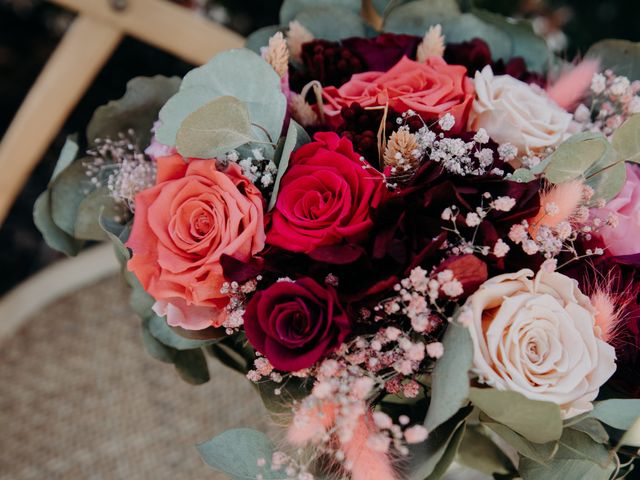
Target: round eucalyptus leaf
{"points": [[414, 18], [291, 8], [626, 139], [621, 56], [260, 38], [331, 22]]}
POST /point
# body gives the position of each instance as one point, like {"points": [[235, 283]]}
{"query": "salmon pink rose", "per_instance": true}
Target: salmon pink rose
{"points": [[325, 197], [431, 89], [295, 324], [183, 225]]}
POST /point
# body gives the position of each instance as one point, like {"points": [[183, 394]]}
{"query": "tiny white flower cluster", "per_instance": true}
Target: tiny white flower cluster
{"points": [[613, 99], [473, 220], [282, 462], [259, 170], [121, 167], [237, 294]]}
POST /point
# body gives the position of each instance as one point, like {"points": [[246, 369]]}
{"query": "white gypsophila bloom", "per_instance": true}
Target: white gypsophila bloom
{"points": [[536, 335], [512, 111]]}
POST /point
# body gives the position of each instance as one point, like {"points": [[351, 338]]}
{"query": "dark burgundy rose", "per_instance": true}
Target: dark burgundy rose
{"points": [[475, 54], [295, 324], [381, 53], [328, 62]]}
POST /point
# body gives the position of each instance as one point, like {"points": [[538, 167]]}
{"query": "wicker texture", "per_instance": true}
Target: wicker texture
{"points": [[80, 398]]}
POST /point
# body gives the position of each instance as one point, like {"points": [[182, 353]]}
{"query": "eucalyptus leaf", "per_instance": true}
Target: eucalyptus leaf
{"points": [[331, 22], [522, 175], [537, 421], [415, 18], [574, 156], [118, 235], [191, 365], [467, 26], [164, 333], [291, 8], [226, 75], [450, 379], [236, 452], [479, 452], [99, 203], [626, 139], [449, 454], [621, 56], [617, 413], [68, 191], [260, 38], [295, 138], [607, 176], [154, 348], [424, 457], [55, 237], [217, 127], [137, 110], [67, 155], [538, 452], [632, 436], [578, 458], [593, 428]]}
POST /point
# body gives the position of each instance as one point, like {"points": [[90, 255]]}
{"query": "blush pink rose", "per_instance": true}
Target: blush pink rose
{"points": [[621, 238], [182, 226], [431, 89]]}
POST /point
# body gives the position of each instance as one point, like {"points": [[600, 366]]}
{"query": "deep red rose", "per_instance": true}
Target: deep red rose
{"points": [[384, 51], [295, 324], [325, 197]]}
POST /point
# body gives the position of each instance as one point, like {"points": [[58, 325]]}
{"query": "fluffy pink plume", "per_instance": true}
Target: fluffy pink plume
{"points": [[310, 424], [607, 316], [573, 84], [563, 200], [366, 463]]}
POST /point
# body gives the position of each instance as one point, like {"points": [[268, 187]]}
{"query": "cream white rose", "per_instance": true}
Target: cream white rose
{"points": [[515, 112], [535, 336]]}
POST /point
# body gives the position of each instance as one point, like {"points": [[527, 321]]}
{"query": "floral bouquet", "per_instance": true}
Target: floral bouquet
{"points": [[420, 245]]}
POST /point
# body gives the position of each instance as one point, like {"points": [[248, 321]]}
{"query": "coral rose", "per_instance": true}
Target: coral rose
{"points": [[295, 324], [515, 112], [325, 197], [182, 226], [621, 217], [537, 336], [431, 89]]}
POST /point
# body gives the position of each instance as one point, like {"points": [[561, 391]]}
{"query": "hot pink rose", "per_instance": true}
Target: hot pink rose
{"points": [[621, 238], [431, 89], [182, 226], [325, 197]]}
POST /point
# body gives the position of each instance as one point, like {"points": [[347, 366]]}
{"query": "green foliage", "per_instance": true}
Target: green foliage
{"points": [[617, 413], [479, 451], [414, 18], [232, 73], [593, 428], [236, 453], [626, 140], [331, 22], [295, 138], [538, 452], [215, 128], [136, 110], [260, 38], [537, 421], [621, 56], [426, 457], [168, 336], [191, 365], [450, 379], [292, 8], [578, 458]]}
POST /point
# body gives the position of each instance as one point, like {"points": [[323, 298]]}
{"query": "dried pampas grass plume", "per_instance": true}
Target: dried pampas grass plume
{"points": [[608, 313], [432, 44], [400, 152], [573, 84], [302, 112], [277, 54], [297, 36], [366, 463], [558, 204], [310, 424]]}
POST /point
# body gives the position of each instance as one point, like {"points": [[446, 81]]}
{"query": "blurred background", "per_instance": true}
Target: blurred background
{"points": [[79, 397]]}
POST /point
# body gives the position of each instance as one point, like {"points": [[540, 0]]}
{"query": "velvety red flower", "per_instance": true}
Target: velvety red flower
{"points": [[325, 197], [382, 52], [475, 54], [431, 89], [295, 324]]}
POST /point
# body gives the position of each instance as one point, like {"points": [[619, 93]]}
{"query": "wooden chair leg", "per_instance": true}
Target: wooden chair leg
{"points": [[82, 52]]}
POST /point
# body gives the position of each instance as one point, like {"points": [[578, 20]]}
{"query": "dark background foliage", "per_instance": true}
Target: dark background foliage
{"points": [[30, 30]]}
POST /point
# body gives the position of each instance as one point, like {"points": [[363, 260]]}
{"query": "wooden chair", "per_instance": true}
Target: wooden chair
{"points": [[87, 45]]}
